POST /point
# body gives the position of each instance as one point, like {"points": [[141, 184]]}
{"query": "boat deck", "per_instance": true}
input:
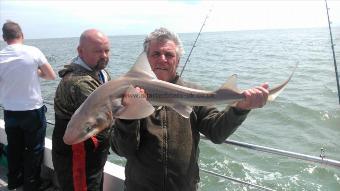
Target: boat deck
{"points": [[3, 181]]}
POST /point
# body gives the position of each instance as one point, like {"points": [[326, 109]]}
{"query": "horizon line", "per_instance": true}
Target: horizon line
{"points": [[240, 30]]}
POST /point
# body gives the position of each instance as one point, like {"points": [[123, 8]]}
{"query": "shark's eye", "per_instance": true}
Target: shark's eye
{"points": [[100, 121], [116, 110], [88, 128]]}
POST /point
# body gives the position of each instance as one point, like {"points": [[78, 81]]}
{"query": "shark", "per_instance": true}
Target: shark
{"points": [[104, 105]]}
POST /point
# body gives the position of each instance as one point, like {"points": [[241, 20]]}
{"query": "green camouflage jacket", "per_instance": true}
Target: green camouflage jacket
{"points": [[76, 85]]}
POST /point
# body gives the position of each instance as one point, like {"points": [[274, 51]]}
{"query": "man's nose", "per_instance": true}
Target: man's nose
{"points": [[163, 57], [105, 54]]}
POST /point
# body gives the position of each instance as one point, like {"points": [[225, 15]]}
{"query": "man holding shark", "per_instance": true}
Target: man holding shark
{"points": [[162, 149]]}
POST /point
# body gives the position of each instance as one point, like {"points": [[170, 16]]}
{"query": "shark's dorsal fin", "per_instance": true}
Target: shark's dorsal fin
{"points": [[141, 69], [231, 84]]}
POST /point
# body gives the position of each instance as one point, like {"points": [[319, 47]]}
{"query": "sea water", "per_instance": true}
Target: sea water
{"points": [[304, 118]]}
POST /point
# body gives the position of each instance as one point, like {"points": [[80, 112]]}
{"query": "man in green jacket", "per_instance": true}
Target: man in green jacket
{"points": [[80, 167], [162, 150]]}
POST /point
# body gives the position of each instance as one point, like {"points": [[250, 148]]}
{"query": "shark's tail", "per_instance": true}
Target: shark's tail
{"points": [[274, 92]]}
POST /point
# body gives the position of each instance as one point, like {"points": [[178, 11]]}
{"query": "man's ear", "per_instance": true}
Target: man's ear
{"points": [[80, 50]]}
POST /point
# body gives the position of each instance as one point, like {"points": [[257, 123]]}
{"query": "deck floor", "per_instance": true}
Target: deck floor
{"points": [[3, 181], [3, 178]]}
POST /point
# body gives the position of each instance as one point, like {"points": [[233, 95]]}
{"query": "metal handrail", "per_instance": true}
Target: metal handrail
{"points": [[48, 103], [321, 159]]}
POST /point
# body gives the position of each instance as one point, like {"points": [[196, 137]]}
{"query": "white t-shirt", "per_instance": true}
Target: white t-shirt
{"points": [[19, 80]]}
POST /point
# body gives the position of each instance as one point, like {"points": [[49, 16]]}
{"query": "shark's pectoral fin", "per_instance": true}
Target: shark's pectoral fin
{"points": [[137, 108], [183, 110]]}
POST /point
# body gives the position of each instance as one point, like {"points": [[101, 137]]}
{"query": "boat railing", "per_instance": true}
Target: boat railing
{"points": [[321, 159]]}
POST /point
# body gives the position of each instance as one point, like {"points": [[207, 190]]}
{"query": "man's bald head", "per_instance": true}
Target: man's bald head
{"points": [[94, 49], [92, 36]]}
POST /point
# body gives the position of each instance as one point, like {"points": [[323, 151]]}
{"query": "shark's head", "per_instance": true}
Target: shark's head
{"points": [[87, 123]]}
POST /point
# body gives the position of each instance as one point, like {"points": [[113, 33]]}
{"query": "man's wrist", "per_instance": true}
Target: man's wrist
{"points": [[239, 111]]}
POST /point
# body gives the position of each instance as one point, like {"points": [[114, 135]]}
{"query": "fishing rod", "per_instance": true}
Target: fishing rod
{"points": [[332, 45], [194, 45]]}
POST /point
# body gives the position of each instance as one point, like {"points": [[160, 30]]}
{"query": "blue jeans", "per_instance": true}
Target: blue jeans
{"points": [[26, 132]]}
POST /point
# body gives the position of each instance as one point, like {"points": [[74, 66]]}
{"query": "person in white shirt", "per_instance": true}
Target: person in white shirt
{"points": [[24, 112]]}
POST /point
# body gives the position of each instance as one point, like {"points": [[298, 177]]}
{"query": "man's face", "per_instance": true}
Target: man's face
{"points": [[163, 59], [95, 53]]}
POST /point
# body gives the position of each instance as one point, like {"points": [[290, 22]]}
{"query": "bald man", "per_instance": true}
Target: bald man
{"points": [[80, 167]]}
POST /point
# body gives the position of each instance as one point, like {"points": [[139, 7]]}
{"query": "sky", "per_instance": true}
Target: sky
{"points": [[62, 18]]}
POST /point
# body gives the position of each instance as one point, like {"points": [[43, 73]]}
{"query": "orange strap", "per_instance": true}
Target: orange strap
{"points": [[79, 167]]}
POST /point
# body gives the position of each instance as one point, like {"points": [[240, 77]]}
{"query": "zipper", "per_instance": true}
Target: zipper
{"points": [[165, 145]]}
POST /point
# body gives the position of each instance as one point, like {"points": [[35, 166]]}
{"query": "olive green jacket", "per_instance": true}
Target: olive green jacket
{"points": [[76, 85], [162, 149]]}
